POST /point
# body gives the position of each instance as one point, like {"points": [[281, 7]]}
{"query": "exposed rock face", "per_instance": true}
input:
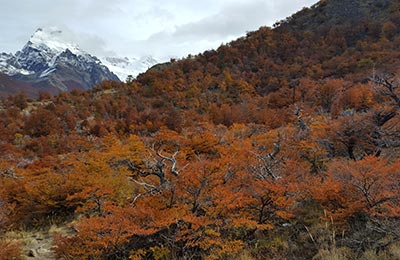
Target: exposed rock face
{"points": [[50, 63]]}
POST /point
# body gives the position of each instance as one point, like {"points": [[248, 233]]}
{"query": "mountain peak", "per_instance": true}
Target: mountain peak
{"points": [[54, 39], [48, 30], [124, 66], [52, 61]]}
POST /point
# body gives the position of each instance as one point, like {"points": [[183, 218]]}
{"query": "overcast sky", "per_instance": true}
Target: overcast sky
{"points": [[162, 28]]}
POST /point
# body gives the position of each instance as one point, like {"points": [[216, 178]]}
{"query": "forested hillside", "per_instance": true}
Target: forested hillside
{"points": [[283, 144]]}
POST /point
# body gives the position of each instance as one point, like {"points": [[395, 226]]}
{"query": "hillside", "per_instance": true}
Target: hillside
{"points": [[327, 14], [10, 86], [331, 39], [283, 144]]}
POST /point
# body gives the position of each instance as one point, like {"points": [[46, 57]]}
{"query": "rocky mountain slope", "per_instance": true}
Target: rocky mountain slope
{"points": [[50, 63], [10, 86]]}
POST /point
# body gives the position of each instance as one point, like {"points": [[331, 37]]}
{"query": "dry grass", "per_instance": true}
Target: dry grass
{"points": [[394, 251], [245, 256], [19, 244], [334, 254]]}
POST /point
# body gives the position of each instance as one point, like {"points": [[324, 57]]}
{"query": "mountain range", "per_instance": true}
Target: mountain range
{"points": [[51, 63], [124, 66]]}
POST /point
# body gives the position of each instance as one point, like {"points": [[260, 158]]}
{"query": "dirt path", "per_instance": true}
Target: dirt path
{"points": [[38, 246]]}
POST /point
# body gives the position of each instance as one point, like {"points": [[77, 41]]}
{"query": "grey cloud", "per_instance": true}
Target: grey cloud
{"points": [[87, 41], [154, 13], [238, 17], [141, 27], [233, 20]]}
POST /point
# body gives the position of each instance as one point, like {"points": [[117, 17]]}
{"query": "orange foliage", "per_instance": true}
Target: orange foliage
{"points": [[366, 186], [207, 156], [10, 250]]}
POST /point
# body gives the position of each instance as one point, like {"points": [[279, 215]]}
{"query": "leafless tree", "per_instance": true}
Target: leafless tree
{"points": [[389, 86], [157, 165], [268, 163]]}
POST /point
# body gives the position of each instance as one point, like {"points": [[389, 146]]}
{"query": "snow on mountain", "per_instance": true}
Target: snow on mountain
{"points": [[51, 60], [123, 67], [53, 39], [10, 66], [44, 48], [50, 49]]}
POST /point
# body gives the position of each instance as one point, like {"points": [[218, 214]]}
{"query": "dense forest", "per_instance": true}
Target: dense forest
{"points": [[283, 144]]}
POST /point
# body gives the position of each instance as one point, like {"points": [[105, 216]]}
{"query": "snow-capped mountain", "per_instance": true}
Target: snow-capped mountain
{"points": [[123, 67], [10, 66], [52, 63]]}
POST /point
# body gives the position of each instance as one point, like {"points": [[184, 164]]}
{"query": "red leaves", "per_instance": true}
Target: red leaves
{"points": [[10, 250], [98, 236], [369, 186]]}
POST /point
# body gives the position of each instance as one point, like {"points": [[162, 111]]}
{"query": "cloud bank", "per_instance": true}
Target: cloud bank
{"points": [[141, 27]]}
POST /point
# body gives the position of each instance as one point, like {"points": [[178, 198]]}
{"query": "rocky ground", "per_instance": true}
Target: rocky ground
{"points": [[38, 245]]}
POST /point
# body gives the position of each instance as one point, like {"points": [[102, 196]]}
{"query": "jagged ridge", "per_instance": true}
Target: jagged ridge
{"points": [[50, 62]]}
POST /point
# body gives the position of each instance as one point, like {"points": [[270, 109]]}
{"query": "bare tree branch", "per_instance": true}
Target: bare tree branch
{"points": [[9, 173], [269, 163], [389, 87], [170, 159]]}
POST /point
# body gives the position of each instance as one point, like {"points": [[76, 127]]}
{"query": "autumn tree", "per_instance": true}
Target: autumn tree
{"points": [[366, 186], [41, 123]]}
